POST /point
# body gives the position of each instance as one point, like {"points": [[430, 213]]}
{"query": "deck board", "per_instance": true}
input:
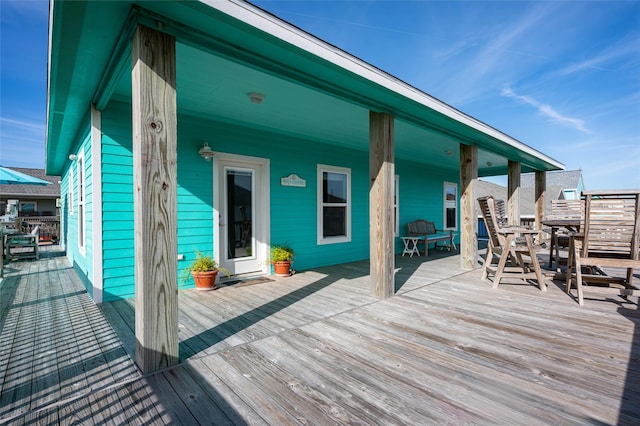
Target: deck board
{"points": [[56, 344], [16, 388], [316, 348]]}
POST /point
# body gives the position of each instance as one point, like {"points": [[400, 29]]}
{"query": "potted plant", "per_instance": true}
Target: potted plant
{"points": [[204, 271], [281, 258]]}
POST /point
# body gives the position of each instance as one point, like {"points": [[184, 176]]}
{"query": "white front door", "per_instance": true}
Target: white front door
{"points": [[241, 213]]}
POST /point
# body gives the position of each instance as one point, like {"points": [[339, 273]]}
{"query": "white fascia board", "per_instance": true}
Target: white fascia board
{"points": [[268, 23]]}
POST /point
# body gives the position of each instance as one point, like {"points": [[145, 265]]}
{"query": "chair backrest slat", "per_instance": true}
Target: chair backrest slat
{"points": [[566, 209], [493, 213], [611, 225]]}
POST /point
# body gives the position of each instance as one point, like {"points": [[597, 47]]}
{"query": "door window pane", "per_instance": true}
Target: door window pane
{"points": [[239, 213]]}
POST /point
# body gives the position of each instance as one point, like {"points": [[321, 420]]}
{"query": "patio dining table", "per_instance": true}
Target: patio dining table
{"points": [[572, 225]]}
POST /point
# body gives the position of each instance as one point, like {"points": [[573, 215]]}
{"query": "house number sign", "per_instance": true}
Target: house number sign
{"points": [[293, 180]]}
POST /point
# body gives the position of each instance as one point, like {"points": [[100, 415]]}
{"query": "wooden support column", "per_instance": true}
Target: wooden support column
{"points": [[155, 207], [468, 216], [513, 193], [540, 189], [381, 214]]}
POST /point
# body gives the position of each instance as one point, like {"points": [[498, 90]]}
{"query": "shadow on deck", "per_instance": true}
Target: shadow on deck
{"points": [[316, 348]]}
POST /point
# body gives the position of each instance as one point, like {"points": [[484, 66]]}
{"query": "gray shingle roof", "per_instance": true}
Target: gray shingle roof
{"points": [[565, 179], [50, 191], [483, 188]]}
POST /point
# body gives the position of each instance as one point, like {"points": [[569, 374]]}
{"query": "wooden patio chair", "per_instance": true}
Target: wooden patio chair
{"points": [[507, 248], [23, 246], [608, 237], [562, 209]]}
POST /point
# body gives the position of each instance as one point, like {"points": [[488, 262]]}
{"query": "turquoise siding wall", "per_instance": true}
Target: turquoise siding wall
{"points": [[117, 204], [293, 209], [195, 204], [421, 194], [82, 262]]}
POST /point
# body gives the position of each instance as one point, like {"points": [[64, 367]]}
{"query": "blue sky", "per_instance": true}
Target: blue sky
{"points": [[562, 77]]}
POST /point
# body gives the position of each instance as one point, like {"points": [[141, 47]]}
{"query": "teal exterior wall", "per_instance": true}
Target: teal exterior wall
{"points": [[194, 195], [82, 261], [293, 210], [117, 204], [422, 195]]}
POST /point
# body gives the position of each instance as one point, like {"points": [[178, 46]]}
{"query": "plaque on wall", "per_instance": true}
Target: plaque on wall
{"points": [[293, 180]]}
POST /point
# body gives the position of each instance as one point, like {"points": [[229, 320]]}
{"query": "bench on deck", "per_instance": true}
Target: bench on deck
{"points": [[428, 234], [23, 246]]}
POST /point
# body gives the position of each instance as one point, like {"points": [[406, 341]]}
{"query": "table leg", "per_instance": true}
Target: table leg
{"points": [[405, 241], [414, 248], [551, 246]]}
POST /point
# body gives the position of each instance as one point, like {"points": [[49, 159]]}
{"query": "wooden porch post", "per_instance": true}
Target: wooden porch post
{"points": [[541, 188], [155, 180], [381, 215], [468, 216], [513, 193]]}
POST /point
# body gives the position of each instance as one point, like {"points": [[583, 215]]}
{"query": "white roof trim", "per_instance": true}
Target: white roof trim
{"points": [[261, 20]]}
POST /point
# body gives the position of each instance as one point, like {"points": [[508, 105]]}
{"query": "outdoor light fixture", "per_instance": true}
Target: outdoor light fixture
{"points": [[448, 152], [206, 152], [256, 98], [489, 163], [72, 157]]}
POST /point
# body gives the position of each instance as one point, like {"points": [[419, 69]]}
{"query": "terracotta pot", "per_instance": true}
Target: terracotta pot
{"points": [[282, 269], [205, 281]]}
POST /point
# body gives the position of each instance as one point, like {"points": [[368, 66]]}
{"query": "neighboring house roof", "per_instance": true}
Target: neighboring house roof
{"points": [[565, 179], [483, 188], [32, 191], [312, 89]]}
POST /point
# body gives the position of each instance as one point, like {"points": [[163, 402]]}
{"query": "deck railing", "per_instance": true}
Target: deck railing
{"points": [[49, 226]]}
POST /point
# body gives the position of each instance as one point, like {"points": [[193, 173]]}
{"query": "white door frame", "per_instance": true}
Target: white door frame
{"points": [[262, 210]]}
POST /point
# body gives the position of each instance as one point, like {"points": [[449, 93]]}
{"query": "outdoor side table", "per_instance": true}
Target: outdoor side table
{"points": [[411, 245]]}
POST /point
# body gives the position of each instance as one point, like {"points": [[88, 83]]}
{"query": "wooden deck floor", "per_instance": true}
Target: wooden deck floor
{"points": [[315, 348]]}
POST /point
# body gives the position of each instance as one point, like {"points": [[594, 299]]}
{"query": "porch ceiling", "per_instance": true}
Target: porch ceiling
{"points": [[215, 88], [312, 90]]}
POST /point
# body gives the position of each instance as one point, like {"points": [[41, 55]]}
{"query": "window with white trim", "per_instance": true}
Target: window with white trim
{"points": [[28, 207], [396, 203], [334, 204], [81, 201], [70, 191], [450, 206]]}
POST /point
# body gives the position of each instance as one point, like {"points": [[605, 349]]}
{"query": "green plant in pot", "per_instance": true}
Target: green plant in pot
{"points": [[281, 259], [204, 271]]}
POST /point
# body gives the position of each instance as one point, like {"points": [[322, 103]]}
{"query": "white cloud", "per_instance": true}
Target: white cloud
{"points": [[21, 125], [546, 110], [623, 49]]}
